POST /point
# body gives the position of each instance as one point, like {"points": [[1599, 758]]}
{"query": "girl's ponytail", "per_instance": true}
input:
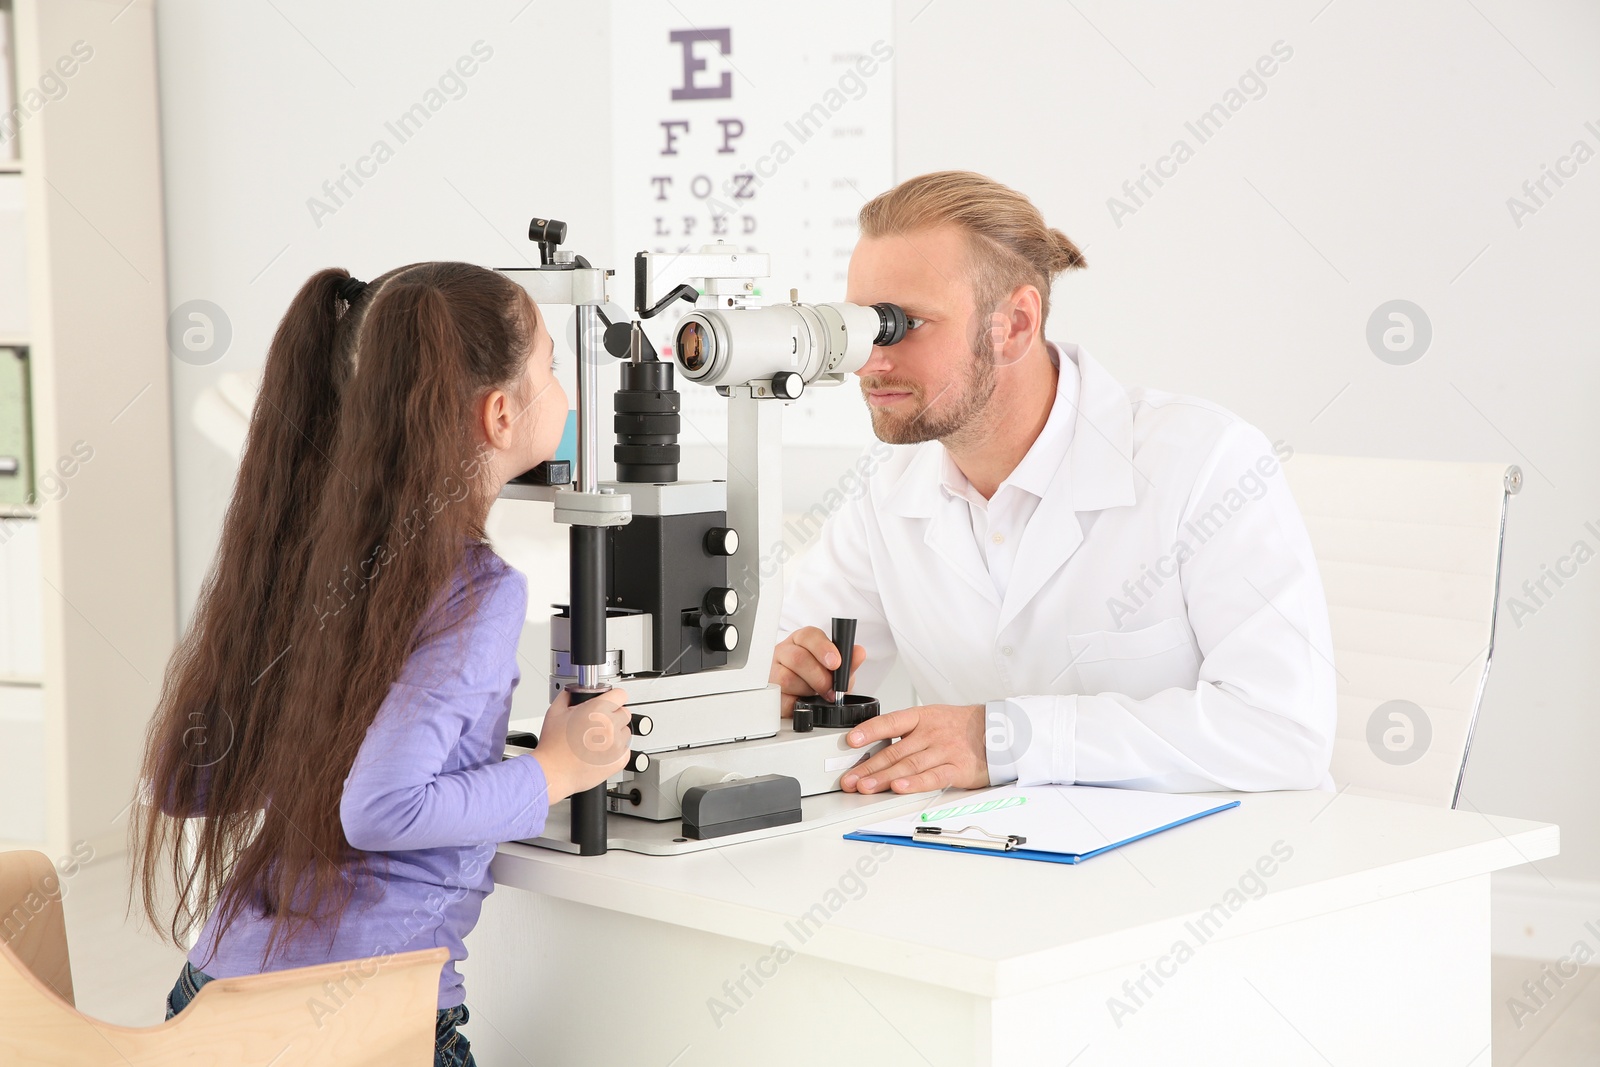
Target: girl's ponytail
{"points": [[211, 709]]}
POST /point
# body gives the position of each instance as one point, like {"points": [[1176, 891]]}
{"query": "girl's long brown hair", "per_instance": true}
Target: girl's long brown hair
{"points": [[361, 485]]}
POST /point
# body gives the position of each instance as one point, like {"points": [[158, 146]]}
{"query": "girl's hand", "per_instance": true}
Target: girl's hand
{"points": [[581, 746]]}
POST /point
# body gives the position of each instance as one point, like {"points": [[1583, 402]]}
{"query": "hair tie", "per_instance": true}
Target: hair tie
{"points": [[351, 288]]}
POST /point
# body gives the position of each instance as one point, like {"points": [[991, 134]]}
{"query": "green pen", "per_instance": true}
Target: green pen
{"points": [[972, 809]]}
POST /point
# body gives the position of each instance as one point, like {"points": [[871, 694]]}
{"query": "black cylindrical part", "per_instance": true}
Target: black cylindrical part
{"points": [[891, 324], [587, 577], [647, 423], [587, 621], [552, 230], [844, 639], [589, 821]]}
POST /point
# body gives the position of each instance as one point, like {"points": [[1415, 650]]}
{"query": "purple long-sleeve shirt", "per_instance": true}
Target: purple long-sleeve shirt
{"points": [[429, 792]]}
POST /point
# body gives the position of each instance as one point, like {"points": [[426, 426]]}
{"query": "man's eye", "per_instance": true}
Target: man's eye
{"points": [[912, 322]]}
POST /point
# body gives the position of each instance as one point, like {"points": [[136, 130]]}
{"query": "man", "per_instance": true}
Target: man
{"points": [[1086, 583]]}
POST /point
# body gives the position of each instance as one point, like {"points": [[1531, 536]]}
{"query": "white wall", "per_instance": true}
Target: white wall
{"points": [[1376, 166], [259, 109]]}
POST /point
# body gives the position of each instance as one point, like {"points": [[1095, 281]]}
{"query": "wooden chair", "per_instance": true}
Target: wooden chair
{"points": [[1409, 552], [383, 1009]]}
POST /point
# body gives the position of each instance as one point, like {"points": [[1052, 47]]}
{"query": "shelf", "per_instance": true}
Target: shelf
{"points": [[93, 339]]}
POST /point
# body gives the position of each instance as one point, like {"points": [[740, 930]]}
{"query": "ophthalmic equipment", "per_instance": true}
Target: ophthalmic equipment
{"points": [[675, 585]]}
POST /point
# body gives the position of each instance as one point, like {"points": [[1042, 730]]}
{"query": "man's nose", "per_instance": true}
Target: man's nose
{"points": [[878, 363]]}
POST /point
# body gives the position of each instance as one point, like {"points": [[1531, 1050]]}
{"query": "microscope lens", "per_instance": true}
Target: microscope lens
{"points": [[693, 346]]}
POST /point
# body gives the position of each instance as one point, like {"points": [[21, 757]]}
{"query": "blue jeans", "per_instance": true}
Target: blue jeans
{"points": [[450, 1047]]}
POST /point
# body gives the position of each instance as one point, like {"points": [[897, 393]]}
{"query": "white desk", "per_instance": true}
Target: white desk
{"points": [[1369, 945]]}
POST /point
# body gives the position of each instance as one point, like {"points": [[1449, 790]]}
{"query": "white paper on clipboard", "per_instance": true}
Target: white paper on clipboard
{"points": [[1076, 820]]}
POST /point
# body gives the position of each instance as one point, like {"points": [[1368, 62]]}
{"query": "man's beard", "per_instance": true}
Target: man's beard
{"points": [[951, 411]]}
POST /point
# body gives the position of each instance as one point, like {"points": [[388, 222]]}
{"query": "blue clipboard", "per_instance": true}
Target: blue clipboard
{"points": [[1033, 854]]}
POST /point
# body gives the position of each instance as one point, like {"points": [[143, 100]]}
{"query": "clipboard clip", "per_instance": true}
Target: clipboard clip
{"points": [[998, 842]]}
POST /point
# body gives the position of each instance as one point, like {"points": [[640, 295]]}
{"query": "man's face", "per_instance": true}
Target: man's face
{"points": [[931, 385]]}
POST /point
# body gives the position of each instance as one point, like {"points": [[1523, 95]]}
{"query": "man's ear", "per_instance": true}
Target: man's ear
{"points": [[1014, 325]]}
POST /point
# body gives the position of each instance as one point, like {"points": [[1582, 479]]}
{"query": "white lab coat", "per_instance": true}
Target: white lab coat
{"points": [[1163, 627]]}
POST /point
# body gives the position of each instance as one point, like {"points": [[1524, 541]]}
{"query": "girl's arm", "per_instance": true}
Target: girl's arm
{"points": [[398, 795]]}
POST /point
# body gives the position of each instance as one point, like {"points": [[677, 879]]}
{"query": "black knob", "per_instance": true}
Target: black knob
{"points": [[641, 724], [722, 541], [844, 639], [802, 720], [720, 601], [638, 762], [618, 339], [788, 385], [551, 230], [722, 637]]}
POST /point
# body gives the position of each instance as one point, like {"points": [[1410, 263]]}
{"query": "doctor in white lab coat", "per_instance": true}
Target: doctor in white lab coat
{"points": [[1086, 583]]}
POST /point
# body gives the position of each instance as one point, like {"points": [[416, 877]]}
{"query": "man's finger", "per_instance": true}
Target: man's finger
{"points": [[817, 643], [906, 765], [894, 724], [816, 677], [878, 763], [788, 682], [938, 777]]}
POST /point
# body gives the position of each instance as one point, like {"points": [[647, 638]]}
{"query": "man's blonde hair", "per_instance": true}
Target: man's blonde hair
{"points": [[1009, 241]]}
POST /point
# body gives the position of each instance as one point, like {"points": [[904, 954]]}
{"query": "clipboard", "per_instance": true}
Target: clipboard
{"points": [[1051, 824]]}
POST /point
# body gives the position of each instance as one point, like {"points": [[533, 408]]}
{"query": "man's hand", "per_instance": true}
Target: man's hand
{"points": [[940, 745], [803, 664]]}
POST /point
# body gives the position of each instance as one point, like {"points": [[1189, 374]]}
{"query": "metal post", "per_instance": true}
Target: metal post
{"points": [[588, 578]]}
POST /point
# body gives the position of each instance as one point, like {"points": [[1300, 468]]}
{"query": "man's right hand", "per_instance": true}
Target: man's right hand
{"points": [[803, 664]]}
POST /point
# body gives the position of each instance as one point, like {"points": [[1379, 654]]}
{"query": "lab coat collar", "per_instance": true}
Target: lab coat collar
{"points": [[1097, 471], [1043, 458], [1100, 458]]}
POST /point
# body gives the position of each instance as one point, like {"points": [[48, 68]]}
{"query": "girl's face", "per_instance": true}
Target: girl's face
{"points": [[524, 424], [547, 405]]}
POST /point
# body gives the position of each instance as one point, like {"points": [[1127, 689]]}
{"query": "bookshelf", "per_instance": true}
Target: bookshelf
{"points": [[100, 529]]}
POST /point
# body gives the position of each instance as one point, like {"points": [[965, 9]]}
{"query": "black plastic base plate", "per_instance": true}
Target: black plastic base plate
{"points": [[855, 709]]}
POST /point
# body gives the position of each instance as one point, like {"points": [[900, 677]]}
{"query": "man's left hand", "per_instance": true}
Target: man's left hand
{"points": [[941, 745]]}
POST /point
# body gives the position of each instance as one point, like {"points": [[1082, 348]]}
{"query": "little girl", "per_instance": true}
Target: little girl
{"points": [[336, 714]]}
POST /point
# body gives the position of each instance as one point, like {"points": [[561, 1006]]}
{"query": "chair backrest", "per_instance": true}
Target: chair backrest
{"points": [[33, 926], [1409, 552], [376, 1011]]}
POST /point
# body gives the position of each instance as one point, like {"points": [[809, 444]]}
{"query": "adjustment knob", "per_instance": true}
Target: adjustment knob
{"points": [[641, 724], [788, 385], [720, 601], [638, 762], [618, 339], [722, 541], [722, 637]]}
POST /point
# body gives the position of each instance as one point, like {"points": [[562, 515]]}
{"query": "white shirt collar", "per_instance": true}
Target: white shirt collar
{"points": [[1098, 472], [1038, 467]]}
